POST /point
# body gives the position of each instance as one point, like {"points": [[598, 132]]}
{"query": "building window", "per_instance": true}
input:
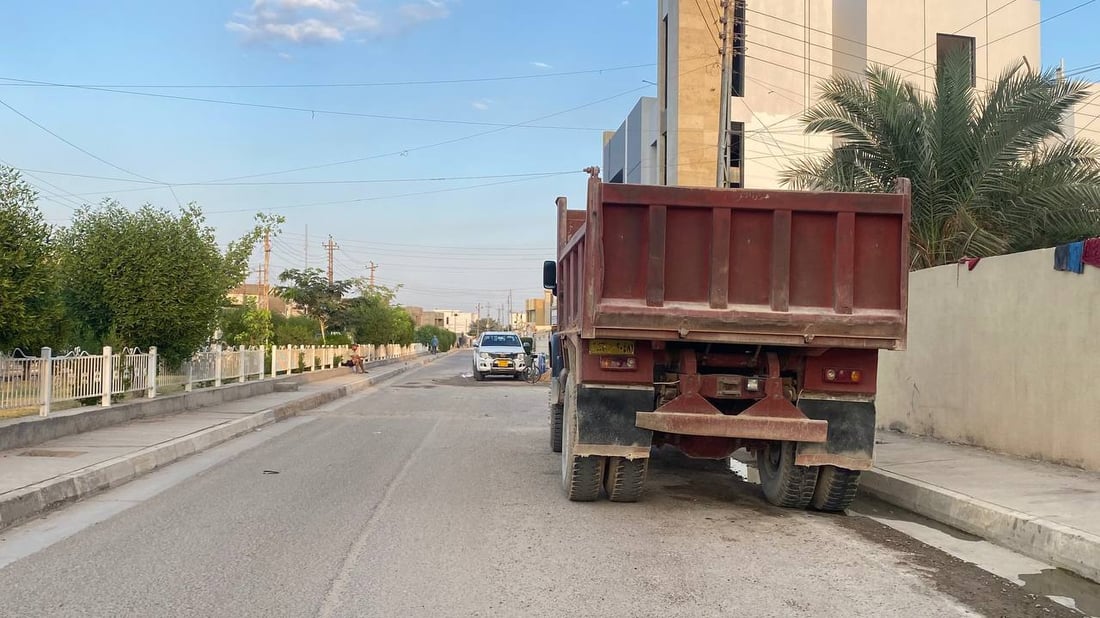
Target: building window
{"points": [[948, 45], [737, 150], [739, 48]]}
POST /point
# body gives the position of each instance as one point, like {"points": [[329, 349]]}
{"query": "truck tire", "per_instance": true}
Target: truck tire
{"points": [[479, 376], [581, 477], [625, 478], [784, 483], [557, 411], [836, 489]]}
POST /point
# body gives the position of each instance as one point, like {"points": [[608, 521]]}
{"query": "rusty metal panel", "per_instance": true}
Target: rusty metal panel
{"points": [[745, 427], [721, 221], [697, 264], [844, 269], [781, 261], [812, 259], [655, 264], [688, 255], [750, 257]]}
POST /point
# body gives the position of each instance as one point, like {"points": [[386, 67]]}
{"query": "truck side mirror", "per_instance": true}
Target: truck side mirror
{"points": [[550, 276]]}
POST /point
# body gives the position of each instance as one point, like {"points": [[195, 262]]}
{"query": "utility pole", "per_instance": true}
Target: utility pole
{"points": [[330, 246], [265, 273], [726, 52], [509, 308], [373, 267]]}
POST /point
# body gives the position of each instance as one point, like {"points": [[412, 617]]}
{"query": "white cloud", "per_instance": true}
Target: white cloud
{"points": [[482, 104], [424, 11], [541, 65], [329, 21], [286, 56]]}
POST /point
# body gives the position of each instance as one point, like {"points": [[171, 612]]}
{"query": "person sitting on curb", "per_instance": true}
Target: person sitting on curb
{"points": [[356, 360]]}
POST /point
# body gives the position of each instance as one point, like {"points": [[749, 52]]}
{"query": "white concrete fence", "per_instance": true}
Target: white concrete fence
{"points": [[43, 380]]}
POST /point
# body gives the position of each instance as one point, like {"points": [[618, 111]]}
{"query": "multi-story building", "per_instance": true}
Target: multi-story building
{"points": [[458, 322], [254, 293], [630, 154], [784, 49]]}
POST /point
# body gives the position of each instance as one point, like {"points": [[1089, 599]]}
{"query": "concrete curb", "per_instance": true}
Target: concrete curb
{"points": [[1062, 546], [34, 500]]}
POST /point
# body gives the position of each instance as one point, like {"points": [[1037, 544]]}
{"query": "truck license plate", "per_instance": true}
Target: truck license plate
{"points": [[610, 347], [504, 363]]}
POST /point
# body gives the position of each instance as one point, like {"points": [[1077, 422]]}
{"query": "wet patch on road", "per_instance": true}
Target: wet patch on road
{"points": [[984, 592]]}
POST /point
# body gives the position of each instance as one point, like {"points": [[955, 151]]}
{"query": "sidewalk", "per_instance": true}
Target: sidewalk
{"points": [[42, 477], [1045, 511]]}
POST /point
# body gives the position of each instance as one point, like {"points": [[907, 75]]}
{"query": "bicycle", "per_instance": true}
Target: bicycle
{"points": [[536, 366]]}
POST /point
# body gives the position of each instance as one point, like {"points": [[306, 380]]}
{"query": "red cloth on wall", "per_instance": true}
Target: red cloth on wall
{"points": [[1091, 255]]}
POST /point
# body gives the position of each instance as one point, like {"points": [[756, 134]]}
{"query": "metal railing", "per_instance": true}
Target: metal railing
{"points": [[38, 382]]}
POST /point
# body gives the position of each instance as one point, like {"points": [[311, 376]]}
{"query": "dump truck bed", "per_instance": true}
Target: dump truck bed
{"points": [[762, 267]]}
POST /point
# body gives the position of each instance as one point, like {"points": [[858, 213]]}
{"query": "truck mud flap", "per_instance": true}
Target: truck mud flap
{"points": [[850, 441], [605, 421]]}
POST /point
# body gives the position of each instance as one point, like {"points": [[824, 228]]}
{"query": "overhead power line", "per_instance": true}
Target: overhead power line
{"points": [[382, 197], [290, 108], [74, 146], [428, 82]]}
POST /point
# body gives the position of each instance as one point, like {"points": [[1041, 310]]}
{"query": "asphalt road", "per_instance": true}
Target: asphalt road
{"points": [[438, 496]]}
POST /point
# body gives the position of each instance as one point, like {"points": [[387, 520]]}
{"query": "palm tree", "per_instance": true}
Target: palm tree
{"points": [[991, 172]]}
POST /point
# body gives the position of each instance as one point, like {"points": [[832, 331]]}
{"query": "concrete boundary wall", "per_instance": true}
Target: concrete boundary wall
{"points": [[1005, 357], [31, 430]]}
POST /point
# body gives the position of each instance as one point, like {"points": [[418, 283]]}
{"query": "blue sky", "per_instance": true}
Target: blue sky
{"points": [[483, 232]]}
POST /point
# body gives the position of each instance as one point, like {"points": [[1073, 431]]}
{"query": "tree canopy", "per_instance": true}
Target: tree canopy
{"points": [[30, 311], [991, 172], [147, 277], [311, 291], [373, 318]]}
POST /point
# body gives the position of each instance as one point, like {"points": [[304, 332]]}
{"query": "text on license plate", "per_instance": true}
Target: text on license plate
{"points": [[504, 363], [610, 346]]}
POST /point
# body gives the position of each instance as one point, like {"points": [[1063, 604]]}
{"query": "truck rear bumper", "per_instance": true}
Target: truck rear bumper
{"points": [[741, 426]]}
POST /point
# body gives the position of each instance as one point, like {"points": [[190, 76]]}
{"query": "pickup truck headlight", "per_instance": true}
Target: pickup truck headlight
{"points": [[484, 355]]}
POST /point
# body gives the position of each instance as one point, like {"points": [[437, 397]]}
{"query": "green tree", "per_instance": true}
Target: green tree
{"points": [[148, 277], [248, 325], [310, 290], [295, 330], [30, 310], [484, 325], [374, 319], [446, 338], [991, 172]]}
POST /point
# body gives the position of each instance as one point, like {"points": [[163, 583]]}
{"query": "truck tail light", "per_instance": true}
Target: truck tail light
{"points": [[619, 363], [843, 376]]}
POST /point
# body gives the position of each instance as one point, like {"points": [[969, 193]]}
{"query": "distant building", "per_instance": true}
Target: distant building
{"points": [[254, 292], [458, 322], [540, 312], [417, 314], [630, 153]]}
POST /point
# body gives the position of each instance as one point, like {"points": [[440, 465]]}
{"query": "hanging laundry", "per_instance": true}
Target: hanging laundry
{"points": [[1076, 257], [1092, 252], [1061, 257]]}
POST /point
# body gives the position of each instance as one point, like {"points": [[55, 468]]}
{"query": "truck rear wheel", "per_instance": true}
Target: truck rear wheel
{"points": [[557, 411], [836, 489], [581, 477], [625, 478], [784, 483]]}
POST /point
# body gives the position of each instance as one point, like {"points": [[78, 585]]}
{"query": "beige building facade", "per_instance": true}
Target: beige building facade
{"points": [[785, 49]]}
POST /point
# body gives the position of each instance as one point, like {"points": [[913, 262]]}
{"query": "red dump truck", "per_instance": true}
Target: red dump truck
{"points": [[718, 319]]}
